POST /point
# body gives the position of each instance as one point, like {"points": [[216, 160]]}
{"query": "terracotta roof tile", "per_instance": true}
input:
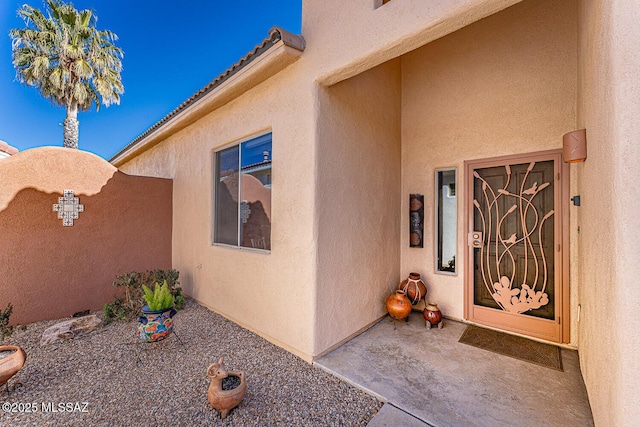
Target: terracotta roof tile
{"points": [[275, 35], [4, 147]]}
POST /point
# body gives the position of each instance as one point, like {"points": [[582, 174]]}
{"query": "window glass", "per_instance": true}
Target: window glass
{"points": [[446, 203], [226, 192], [243, 194], [255, 209]]}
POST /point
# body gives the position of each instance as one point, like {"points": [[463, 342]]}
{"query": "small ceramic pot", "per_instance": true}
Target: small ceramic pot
{"points": [[432, 315], [398, 305], [221, 398]]}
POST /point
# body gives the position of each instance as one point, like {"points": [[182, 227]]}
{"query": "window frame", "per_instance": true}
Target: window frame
{"points": [[215, 172]]}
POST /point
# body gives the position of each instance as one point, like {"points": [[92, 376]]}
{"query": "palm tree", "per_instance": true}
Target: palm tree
{"points": [[68, 60]]}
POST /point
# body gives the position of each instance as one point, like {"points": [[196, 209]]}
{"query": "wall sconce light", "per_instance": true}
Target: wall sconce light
{"points": [[574, 146]]}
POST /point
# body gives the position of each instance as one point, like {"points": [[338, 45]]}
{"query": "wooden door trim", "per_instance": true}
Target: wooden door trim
{"points": [[562, 326], [566, 292]]}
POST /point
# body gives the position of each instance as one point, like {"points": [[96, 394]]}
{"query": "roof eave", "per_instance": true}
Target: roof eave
{"points": [[249, 72]]}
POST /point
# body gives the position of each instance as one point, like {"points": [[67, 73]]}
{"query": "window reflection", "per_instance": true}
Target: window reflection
{"points": [[243, 194], [446, 202], [256, 194]]}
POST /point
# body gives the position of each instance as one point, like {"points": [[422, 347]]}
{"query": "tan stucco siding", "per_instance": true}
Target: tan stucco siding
{"points": [[503, 85], [358, 193], [349, 37], [269, 293], [608, 183], [158, 162]]}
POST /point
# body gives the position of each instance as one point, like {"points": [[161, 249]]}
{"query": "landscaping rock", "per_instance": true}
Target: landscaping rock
{"points": [[126, 382], [70, 328]]}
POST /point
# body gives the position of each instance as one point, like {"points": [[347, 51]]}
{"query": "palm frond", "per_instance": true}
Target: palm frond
{"points": [[66, 58]]}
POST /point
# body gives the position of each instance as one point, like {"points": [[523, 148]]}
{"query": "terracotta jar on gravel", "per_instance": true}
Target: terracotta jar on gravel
{"points": [[398, 305], [414, 288], [10, 364]]}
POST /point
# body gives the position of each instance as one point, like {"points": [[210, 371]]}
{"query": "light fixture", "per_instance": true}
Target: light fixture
{"points": [[574, 146]]}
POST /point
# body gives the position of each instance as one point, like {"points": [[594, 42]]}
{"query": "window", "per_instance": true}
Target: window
{"points": [[446, 208], [242, 210]]}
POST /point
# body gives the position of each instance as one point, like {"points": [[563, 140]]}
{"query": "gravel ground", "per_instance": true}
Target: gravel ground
{"points": [[168, 386]]}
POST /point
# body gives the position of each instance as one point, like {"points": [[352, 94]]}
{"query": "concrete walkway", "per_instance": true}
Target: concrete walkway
{"points": [[426, 377]]}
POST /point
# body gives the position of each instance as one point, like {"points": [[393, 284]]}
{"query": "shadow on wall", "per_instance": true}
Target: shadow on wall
{"points": [[51, 271]]}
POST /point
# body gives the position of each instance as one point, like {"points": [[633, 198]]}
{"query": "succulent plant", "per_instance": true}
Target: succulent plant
{"points": [[160, 298]]}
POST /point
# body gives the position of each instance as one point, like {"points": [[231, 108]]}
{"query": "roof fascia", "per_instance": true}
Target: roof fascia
{"points": [[227, 87]]}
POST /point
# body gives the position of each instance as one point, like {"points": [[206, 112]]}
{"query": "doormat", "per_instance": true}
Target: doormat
{"points": [[546, 355]]}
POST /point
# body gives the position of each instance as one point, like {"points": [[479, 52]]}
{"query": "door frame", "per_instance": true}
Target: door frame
{"points": [[557, 330]]}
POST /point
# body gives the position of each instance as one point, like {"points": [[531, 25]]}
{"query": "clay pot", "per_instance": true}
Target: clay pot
{"points": [[414, 204], [398, 305], [414, 288], [11, 365], [221, 397], [432, 315]]}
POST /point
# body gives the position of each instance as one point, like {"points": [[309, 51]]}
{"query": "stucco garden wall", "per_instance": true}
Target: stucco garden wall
{"points": [[503, 85], [272, 294], [608, 246], [358, 201], [49, 271]]}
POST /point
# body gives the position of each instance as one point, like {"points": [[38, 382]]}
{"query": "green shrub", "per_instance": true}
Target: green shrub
{"points": [[128, 306], [5, 329]]}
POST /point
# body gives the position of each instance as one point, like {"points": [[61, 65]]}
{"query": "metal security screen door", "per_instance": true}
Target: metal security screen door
{"points": [[516, 255]]}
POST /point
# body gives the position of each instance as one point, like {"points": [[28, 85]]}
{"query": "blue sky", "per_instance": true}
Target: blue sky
{"points": [[170, 52]]}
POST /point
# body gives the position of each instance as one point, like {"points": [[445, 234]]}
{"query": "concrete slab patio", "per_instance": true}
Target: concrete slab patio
{"points": [[426, 377]]}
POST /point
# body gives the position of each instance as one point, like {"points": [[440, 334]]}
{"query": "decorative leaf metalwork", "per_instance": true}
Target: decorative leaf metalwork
{"points": [[529, 296]]}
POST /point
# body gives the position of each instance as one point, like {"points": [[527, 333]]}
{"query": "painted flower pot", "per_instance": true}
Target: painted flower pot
{"points": [[155, 325], [11, 365]]}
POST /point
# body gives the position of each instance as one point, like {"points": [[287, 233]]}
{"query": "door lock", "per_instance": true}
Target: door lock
{"points": [[475, 239]]}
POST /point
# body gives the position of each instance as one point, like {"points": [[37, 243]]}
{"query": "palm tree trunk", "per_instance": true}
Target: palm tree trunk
{"points": [[70, 127]]}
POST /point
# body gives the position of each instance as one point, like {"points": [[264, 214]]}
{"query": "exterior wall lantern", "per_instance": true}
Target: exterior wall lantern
{"points": [[574, 146]]}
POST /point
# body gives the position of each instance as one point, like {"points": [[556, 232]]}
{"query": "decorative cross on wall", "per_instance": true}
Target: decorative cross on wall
{"points": [[68, 208], [245, 211]]}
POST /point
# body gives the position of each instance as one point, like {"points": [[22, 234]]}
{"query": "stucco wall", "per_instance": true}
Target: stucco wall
{"points": [[157, 162], [272, 293], [49, 271], [358, 200], [503, 85], [608, 218], [346, 38]]}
